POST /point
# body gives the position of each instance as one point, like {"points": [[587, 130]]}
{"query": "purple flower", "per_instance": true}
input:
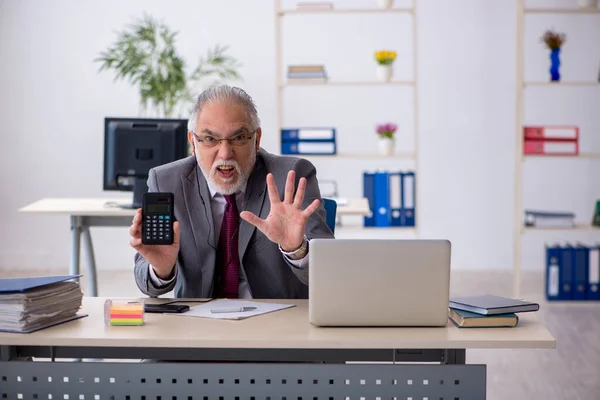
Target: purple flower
{"points": [[388, 128]]}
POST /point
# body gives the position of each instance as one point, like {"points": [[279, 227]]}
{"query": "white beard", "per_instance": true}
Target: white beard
{"points": [[228, 187]]}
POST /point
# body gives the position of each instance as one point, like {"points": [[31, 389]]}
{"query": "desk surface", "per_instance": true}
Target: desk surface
{"points": [[285, 329], [109, 207]]}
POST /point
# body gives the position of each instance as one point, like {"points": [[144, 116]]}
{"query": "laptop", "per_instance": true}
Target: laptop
{"points": [[379, 282]]}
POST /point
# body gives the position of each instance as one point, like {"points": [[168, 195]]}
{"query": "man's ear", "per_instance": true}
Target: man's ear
{"points": [[258, 136], [192, 142]]}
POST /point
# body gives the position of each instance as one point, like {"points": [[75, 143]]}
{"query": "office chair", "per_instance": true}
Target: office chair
{"points": [[330, 211]]}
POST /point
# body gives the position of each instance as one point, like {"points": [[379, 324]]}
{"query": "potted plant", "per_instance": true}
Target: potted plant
{"points": [[145, 55], [386, 138], [588, 3], [385, 59], [385, 3], [554, 41]]}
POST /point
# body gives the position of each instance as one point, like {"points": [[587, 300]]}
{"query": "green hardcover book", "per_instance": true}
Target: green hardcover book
{"points": [[466, 319], [596, 219]]}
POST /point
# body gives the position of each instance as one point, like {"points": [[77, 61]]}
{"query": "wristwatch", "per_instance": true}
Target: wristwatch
{"points": [[299, 253]]}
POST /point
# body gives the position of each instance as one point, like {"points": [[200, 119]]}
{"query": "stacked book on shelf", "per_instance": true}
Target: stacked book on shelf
{"points": [[549, 219], [308, 141], [306, 74], [487, 311], [314, 6], [391, 197], [30, 304], [551, 140], [572, 272]]}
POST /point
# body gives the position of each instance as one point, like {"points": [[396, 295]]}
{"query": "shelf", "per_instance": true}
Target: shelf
{"points": [[562, 83], [580, 156], [352, 156], [350, 11], [562, 11], [349, 83], [577, 227]]}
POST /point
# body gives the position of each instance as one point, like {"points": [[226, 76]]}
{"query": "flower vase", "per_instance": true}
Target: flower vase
{"points": [[386, 146], [555, 65], [384, 73], [587, 3], [385, 3]]}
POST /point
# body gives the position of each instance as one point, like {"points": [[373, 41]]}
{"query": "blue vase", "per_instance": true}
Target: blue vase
{"points": [[555, 65]]}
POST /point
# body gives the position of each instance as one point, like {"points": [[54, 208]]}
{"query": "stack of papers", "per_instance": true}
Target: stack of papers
{"points": [[30, 304]]}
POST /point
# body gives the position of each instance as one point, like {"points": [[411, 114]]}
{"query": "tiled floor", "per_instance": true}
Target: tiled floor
{"points": [[571, 371]]}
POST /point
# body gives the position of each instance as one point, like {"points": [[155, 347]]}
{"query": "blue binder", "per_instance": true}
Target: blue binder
{"points": [[553, 258], [594, 273], [369, 194], [580, 272], [309, 147], [408, 198], [566, 273], [14, 285], [396, 201], [308, 134], [382, 199]]}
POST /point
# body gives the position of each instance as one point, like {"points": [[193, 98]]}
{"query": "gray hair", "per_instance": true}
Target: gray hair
{"points": [[225, 94]]}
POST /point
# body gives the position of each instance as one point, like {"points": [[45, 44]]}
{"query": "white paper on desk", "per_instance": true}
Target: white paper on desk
{"points": [[261, 308]]}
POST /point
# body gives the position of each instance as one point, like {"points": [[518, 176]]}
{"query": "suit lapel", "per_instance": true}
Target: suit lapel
{"points": [[198, 205], [256, 191]]}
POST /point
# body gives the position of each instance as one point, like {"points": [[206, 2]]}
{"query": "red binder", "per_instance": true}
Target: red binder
{"points": [[551, 147], [554, 132]]}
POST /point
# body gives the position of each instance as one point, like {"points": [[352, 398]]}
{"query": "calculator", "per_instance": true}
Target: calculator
{"points": [[157, 218]]}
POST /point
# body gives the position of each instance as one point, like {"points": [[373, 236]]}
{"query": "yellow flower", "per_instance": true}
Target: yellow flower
{"points": [[385, 57]]}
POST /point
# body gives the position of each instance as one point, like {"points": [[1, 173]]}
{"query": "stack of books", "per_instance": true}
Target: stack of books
{"points": [[31, 304], [314, 6], [487, 311], [306, 74], [551, 140], [547, 219]]}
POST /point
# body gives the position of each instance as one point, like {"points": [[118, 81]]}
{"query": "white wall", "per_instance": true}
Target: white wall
{"points": [[53, 101]]}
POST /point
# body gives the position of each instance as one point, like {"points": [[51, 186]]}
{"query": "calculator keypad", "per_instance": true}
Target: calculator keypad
{"points": [[158, 228]]}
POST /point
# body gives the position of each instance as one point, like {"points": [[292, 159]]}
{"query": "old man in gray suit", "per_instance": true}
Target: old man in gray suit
{"points": [[244, 216]]}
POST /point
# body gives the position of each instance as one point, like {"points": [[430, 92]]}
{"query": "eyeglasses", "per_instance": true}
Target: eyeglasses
{"points": [[238, 140]]}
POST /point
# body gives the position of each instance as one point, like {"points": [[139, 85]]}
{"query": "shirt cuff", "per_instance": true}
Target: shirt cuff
{"points": [[299, 263], [156, 280]]}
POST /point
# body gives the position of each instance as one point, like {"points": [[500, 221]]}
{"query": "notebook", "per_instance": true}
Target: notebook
{"points": [[492, 305], [466, 319]]}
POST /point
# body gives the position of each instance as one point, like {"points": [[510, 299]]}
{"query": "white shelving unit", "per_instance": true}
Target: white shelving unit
{"points": [[282, 84], [521, 85]]}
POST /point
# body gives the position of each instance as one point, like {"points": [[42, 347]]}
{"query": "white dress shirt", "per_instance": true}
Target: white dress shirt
{"points": [[218, 203]]}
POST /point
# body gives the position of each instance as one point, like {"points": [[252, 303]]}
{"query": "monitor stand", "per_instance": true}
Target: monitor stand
{"points": [[140, 187]]}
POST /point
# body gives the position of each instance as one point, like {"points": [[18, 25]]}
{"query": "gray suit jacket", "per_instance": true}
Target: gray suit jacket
{"points": [[267, 272]]}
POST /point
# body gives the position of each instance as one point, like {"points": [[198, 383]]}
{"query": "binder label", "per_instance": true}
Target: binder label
{"points": [[408, 191], [594, 277], [553, 280]]}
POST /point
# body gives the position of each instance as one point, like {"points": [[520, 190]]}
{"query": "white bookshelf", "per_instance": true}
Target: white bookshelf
{"points": [[521, 85], [354, 229]]}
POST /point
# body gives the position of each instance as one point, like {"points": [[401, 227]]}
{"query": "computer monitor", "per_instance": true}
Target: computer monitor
{"points": [[132, 146]]}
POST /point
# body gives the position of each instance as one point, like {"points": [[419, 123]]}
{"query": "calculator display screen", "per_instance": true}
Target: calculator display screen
{"points": [[159, 208]]}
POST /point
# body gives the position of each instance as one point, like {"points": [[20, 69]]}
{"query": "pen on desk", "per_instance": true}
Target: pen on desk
{"points": [[232, 310]]}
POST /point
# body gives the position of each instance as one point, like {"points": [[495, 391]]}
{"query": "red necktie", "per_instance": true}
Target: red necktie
{"points": [[228, 259]]}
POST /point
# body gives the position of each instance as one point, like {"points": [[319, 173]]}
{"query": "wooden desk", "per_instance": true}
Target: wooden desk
{"points": [[281, 354], [87, 212]]}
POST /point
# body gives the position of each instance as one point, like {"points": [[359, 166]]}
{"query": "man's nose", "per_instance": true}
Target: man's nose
{"points": [[225, 149]]}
